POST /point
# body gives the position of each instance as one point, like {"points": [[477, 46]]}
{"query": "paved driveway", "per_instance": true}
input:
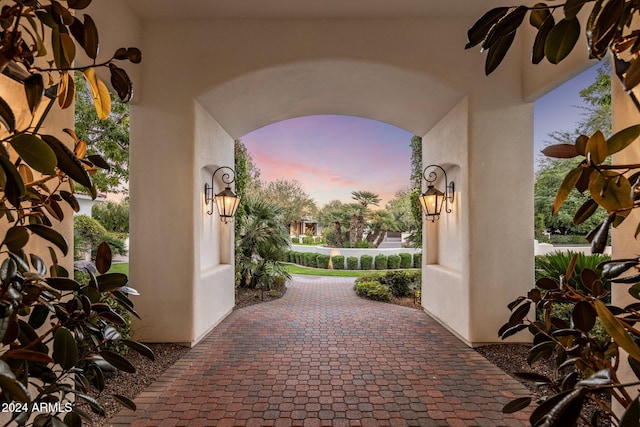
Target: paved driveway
{"points": [[321, 356]]}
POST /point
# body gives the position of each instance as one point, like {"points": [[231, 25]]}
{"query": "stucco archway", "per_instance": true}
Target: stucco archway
{"points": [[205, 81]]}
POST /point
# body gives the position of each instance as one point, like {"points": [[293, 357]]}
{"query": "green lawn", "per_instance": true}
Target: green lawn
{"points": [[298, 269], [120, 267]]}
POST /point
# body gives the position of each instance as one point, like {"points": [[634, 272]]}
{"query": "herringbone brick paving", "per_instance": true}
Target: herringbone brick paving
{"points": [[321, 356]]}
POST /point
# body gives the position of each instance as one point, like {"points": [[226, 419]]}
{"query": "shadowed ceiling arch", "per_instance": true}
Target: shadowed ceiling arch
{"points": [[407, 99]]}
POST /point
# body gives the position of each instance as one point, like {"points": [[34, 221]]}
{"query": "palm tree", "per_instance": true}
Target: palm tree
{"points": [[261, 241], [365, 198]]}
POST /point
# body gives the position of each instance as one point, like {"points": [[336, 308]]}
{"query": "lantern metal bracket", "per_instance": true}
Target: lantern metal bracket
{"points": [[209, 197], [431, 174]]}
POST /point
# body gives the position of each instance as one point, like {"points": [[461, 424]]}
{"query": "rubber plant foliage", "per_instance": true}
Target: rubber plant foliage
{"points": [[586, 367], [53, 329]]}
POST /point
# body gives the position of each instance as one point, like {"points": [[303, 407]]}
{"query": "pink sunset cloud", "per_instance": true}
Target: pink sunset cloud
{"points": [[334, 155]]}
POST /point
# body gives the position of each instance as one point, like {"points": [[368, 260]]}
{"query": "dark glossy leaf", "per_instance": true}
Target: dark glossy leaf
{"points": [[561, 151], [635, 278], [510, 23], [571, 267], [28, 355], [588, 276], [534, 295], [601, 235], [533, 376], [583, 316], [634, 291], [599, 379], [111, 334], [121, 83], [581, 144], [519, 314], [567, 411], [7, 118], [111, 281], [585, 211], [572, 7], [604, 27], [597, 289], [497, 52], [38, 264], [68, 162], [121, 53], [51, 235], [91, 42], [515, 303], [632, 75], [78, 4], [567, 185], [513, 330], [622, 139], [539, 14], [516, 405], [65, 348], [54, 209], [631, 415], [93, 403], [38, 316], [71, 200], [583, 182], [34, 89], [99, 162], [71, 419], [616, 330], [547, 283], [77, 30], [10, 384], [542, 350], [16, 238], [103, 258], [480, 29], [14, 188], [537, 53], [561, 40], [124, 401], [140, 348], [118, 361], [66, 90], [635, 366], [98, 376], [134, 54], [63, 284], [113, 317]]}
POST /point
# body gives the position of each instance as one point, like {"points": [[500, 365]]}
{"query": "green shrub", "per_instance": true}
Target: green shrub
{"points": [[290, 256], [381, 262], [393, 262], [568, 239], [117, 245], [295, 240], [313, 259], [362, 244], [373, 290], [88, 234], [114, 217], [405, 260], [415, 278], [338, 262], [307, 259], [398, 283], [369, 277], [366, 262], [352, 263], [322, 261], [299, 258], [307, 240], [417, 260], [555, 265]]}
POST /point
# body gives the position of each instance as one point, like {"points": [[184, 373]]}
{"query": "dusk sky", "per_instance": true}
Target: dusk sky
{"points": [[334, 155]]}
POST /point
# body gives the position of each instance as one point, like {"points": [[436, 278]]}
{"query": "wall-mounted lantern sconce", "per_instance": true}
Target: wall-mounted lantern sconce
{"points": [[226, 200], [433, 199]]}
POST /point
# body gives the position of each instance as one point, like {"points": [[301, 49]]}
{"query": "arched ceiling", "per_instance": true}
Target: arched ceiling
{"points": [[409, 100], [305, 9]]}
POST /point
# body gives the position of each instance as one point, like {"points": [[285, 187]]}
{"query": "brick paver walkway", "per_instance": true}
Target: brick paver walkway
{"points": [[321, 356]]}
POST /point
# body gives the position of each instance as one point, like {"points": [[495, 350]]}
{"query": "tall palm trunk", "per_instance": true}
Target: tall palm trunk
{"points": [[381, 237], [339, 240], [372, 236], [352, 231], [359, 229]]}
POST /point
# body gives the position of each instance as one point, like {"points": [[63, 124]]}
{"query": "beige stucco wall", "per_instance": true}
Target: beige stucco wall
{"points": [[247, 73]]}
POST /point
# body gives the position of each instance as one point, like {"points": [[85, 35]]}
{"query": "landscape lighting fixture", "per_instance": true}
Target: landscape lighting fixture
{"points": [[226, 200], [433, 199]]}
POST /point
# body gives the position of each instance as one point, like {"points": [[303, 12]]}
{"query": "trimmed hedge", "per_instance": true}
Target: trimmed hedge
{"points": [[322, 261], [338, 262], [381, 262], [366, 261], [417, 260], [398, 283], [405, 260], [373, 290], [393, 262], [352, 263]]}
